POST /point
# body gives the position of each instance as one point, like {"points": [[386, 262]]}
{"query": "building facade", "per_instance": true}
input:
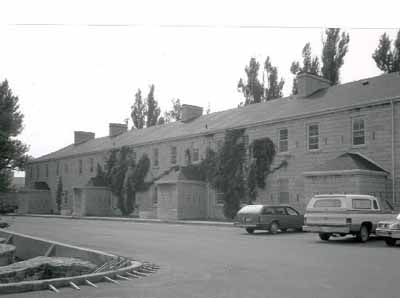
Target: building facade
{"points": [[310, 129]]}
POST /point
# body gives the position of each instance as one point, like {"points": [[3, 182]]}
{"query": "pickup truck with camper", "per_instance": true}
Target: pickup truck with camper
{"points": [[345, 214]]}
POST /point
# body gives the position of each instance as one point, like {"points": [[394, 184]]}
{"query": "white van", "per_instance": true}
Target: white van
{"points": [[343, 214]]}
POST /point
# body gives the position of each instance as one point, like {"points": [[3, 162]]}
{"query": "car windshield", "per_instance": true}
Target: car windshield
{"points": [[252, 209]]}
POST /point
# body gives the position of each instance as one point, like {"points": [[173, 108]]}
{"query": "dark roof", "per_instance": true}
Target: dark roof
{"points": [[346, 162], [332, 98]]}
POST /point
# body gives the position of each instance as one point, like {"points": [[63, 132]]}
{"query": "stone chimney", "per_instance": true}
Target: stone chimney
{"points": [[308, 84], [190, 112], [82, 136], [117, 129]]}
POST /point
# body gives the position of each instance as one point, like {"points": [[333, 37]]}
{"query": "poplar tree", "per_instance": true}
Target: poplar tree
{"points": [[138, 111], [153, 110], [387, 58]]}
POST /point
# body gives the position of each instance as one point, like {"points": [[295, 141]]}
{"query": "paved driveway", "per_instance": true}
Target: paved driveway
{"points": [[203, 261]]}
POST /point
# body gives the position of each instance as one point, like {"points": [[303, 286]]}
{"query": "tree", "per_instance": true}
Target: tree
{"points": [[12, 151], [335, 47], [310, 65], [274, 88], [175, 113], [252, 88], [153, 111], [138, 111], [386, 58]]}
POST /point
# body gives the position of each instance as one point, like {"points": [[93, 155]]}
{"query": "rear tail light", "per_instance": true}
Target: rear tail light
{"points": [[348, 220]]}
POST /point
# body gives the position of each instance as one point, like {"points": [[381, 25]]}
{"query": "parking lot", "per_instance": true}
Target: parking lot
{"points": [[207, 261]]}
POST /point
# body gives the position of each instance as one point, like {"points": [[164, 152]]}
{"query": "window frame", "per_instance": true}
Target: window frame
{"points": [[156, 156], [174, 155], [80, 166], [280, 140], [196, 153], [313, 136], [363, 131]]}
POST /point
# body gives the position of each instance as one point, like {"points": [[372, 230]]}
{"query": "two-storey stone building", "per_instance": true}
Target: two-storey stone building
{"points": [[335, 139]]}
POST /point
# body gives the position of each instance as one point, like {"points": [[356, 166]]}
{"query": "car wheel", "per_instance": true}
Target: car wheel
{"points": [[250, 230], [274, 227], [390, 241], [324, 236], [363, 234]]}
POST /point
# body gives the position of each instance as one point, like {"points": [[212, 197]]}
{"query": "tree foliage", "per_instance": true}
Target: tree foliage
{"points": [[12, 151], [254, 90], [153, 110], [175, 114], [138, 111], [387, 58], [335, 47]]}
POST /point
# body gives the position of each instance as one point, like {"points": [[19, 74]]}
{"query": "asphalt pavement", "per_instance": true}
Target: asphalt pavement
{"points": [[221, 261]]}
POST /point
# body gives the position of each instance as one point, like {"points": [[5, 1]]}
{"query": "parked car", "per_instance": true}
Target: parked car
{"points": [[341, 215], [389, 230], [269, 217]]}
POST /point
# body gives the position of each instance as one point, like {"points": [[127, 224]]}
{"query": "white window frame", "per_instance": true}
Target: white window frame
{"points": [[174, 155], [314, 136], [354, 131], [155, 157], [283, 141], [196, 155]]}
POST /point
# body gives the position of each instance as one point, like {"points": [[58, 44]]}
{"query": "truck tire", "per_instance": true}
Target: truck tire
{"points": [[324, 236], [274, 227], [390, 241], [250, 230], [363, 234]]}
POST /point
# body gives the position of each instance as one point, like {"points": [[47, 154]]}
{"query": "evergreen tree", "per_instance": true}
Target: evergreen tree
{"points": [[12, 151], [252, 88], [335, 47], [386, 58], [138, 111], [274, 88], [175, 113], [153, 111]]}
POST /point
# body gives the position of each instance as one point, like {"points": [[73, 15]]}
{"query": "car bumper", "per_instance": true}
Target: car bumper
{"points": [[327, 229], [388, 233]]}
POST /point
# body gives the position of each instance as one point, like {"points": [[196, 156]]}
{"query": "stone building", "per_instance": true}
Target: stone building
{"points": [[335, 139]]}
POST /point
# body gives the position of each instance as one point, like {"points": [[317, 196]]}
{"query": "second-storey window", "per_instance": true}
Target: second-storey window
{"points": [[196, 156], [283, 140], [91, 165], [80, 166], [58, 168], [37, 172], [47, 170], [173, 155], [155, 157], [358, 131], [313, 136]]}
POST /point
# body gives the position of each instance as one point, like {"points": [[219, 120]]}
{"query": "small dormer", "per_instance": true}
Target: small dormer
{"points": [[82, 137], [190, 112]]}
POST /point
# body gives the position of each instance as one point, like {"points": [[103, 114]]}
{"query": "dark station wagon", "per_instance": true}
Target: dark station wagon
{"points": [[269, 217]]}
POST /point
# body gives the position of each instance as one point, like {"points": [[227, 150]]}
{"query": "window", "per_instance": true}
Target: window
{"points": [[268, 211], [361, 204], [31, 170], [58, 168], [376, 205], [283, 140], [47, 170], [91, 165], [358, 131], [328, 203], [313, 137], [134, 156], [196, 156], [280, 211], [219, 198], [291, 211], [173, 155], [155, 157], [66, 168], [37, 171], [80, 166], [283, 191]]}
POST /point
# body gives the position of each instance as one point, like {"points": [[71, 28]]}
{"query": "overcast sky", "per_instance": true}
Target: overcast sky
{"points": [[76, 65]]}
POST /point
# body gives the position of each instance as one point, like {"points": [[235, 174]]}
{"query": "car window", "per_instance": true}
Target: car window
{"points": [[280, 211], [361, 203], [376, 205], [291, 211], [328, 203], [268, 211]]}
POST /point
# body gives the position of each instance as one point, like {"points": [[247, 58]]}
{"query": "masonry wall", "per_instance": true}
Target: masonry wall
{"points": [[334, 139], [191, 200]]}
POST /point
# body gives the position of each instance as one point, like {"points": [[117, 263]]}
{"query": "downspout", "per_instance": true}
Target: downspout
{"points": [[393, 158]]}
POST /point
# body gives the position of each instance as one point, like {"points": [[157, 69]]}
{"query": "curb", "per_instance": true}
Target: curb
{"points": [[128, 219]]}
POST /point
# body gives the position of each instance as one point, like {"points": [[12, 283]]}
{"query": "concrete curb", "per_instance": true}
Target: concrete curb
{"points": [[128, 219]]}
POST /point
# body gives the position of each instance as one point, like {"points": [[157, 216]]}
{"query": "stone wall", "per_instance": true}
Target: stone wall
{"points": [[92, 201], [35, 202]]}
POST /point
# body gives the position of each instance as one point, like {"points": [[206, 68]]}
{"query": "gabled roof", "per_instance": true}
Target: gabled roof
{"points": [[348, 162], [337, 97]]}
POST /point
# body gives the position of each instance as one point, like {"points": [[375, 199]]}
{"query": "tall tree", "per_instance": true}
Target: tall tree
{"points": [[252, 88], [175, 114], [386, 58], [138, 111], [310, 65], [335, 47], [12, 151], [274, 88], [153, 110]]}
